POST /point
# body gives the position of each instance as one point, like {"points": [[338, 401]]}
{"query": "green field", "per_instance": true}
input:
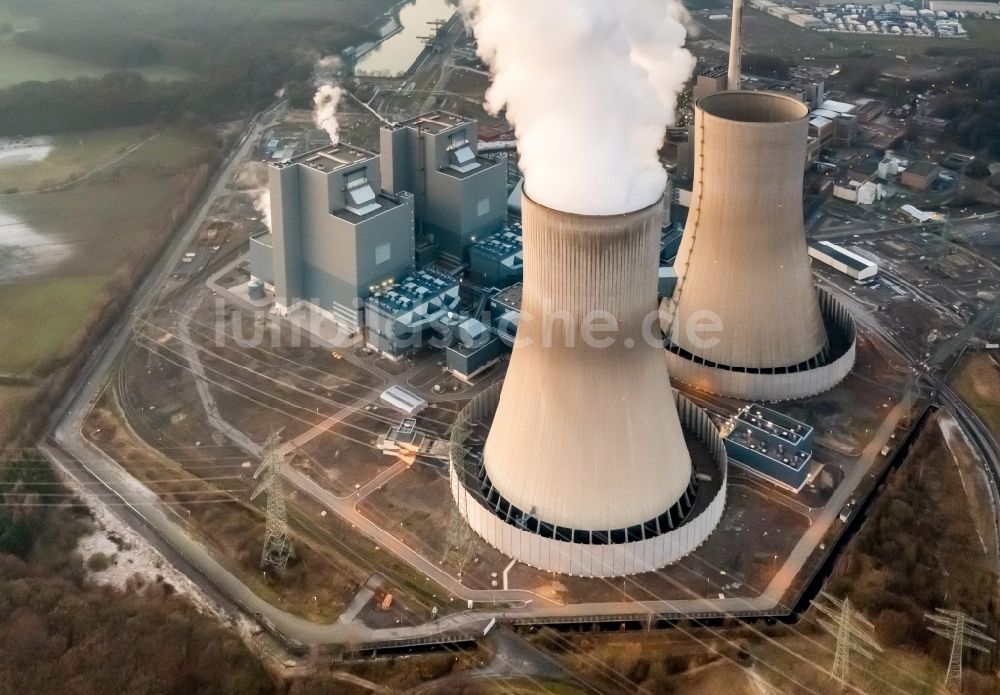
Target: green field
{"points": [[105, 221], [72, 156], [45, 314], [88, 155], [17, 21], [978, 383]]}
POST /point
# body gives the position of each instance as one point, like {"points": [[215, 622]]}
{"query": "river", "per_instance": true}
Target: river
{"points": [[395, 55]]}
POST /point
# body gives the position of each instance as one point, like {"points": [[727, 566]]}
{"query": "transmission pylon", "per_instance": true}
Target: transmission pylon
{"points": [[278, 547], [964, 633], [854, 634]]}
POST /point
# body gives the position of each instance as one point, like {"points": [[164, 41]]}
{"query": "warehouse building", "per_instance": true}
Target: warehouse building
{"points": [[459, 196], [403, 401], [847, 262], [771, 445], [334, 237]]}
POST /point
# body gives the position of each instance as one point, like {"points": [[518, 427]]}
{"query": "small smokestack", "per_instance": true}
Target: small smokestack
{"points": [[736, 47]]}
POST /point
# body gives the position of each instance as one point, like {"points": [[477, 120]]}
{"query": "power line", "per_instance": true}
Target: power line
{"points": [[964, 633], [854, 634]]}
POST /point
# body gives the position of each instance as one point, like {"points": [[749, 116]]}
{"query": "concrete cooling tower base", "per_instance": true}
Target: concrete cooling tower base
{"points": [[589, 553], [800, 381]]}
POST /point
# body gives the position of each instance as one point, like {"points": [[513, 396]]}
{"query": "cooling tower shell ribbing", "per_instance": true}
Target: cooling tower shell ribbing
{"points": [[586, 456], [743, 266], [587, 436]]}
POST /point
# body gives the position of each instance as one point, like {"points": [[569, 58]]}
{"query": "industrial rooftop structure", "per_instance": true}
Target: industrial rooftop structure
{"points": [[401, 316], [498, 260], [770, 444]]}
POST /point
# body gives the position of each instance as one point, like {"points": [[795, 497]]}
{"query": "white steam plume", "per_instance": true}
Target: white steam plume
{"points": [[327, 97], [325, 114], [590, 86], [262, 203]]}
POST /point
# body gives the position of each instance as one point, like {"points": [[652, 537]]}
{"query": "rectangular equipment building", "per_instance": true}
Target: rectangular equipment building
{"points": [[498, 260], [476, 349], [770, 444], [847, 262], [920, 176]]}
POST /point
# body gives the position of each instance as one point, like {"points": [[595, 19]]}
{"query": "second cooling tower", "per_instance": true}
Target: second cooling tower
{"points": [[746, 320]]}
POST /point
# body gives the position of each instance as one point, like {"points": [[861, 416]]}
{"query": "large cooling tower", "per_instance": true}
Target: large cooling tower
{"points": [[746, 320], [586, 469]]}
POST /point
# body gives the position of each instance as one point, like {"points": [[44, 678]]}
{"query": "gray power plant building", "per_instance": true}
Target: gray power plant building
{"points": [[460, 197], [335, 236]]}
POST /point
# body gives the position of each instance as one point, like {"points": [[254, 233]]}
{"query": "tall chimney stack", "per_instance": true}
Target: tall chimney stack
{"points": [[736, 47]]}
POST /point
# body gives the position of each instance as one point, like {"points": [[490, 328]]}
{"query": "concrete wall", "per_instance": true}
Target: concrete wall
{"points": [[397, 166], [262, 258]]}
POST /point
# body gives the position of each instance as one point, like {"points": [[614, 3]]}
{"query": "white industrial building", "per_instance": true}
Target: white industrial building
{"points": [[968, 7], [862, 193], [403, 401], [847, 262]]}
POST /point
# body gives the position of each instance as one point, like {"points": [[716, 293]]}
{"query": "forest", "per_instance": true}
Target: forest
{"points": [[242, 52], [59, 633]]}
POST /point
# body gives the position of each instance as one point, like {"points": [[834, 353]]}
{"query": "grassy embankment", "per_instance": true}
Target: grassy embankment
{"points": [[110, 222]]}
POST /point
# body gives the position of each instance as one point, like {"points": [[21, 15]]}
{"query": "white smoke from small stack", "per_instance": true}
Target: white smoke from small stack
{"points": [[262, 203], [591, 87], [327, 97]]}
